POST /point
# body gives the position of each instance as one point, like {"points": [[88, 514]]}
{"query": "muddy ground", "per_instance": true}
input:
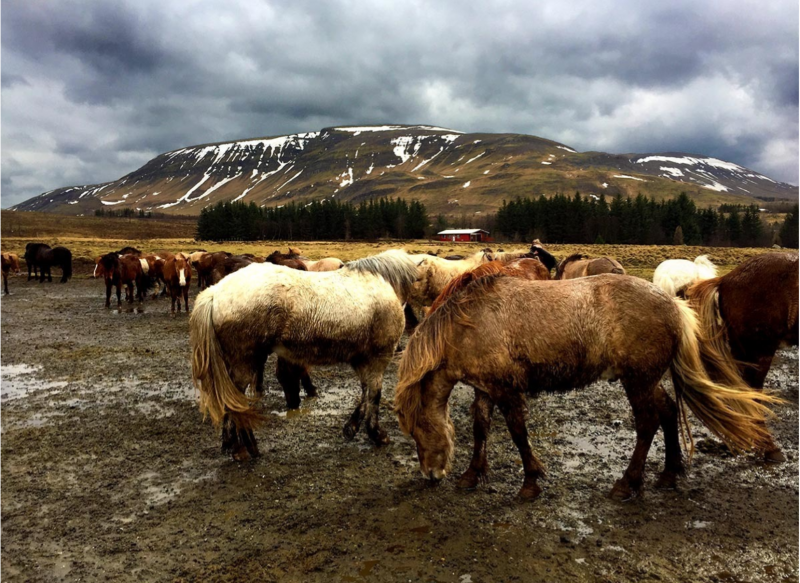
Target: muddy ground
{"points": [[109, 473]]}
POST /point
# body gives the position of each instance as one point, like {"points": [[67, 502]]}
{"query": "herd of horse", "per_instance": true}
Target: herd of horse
{"points": [[506, 324]]}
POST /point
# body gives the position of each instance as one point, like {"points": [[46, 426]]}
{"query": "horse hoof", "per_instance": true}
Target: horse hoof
{"points": [[529, 492], [379, 437], [241, 455], [667, 481], [349, 431], [311, 393], [774, 456], [621, 492], [469, 480]]}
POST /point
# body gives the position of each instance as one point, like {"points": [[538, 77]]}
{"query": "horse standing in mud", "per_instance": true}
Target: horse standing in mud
{"points": [[675, 275], [506, 336], [203, 264], [749, 313], [122, 272], [178, 276], [578, 265], [31, 252], [352, 315], [60, 257], [10, 261]]}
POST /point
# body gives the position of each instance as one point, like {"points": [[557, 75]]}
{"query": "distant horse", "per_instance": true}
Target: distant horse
{"points": [[227, 266], [178, 276], [31, 254], [9, 261], [578, 265], [60, 257], [544, 256], [204, 263], [153, 267], [352, 315], [435, 273], [129, 251], [122, 272], [507, 336], [675, 275], [287, 260], [749, 313]]}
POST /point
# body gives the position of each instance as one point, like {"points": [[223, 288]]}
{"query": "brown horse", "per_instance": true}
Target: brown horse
{"points": [[178, 276], [119, 272], [9, 261], [750, 313], [204, 263], [506, 336], [287, 260], [578, 265], [227, 266], [290, 259]]}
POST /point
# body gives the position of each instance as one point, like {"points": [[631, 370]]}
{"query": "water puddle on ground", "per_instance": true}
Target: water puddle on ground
{"points": [[18, 381]]}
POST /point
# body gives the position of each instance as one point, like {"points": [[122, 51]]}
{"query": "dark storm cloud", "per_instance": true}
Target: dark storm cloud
{"points": [[91, 90]]}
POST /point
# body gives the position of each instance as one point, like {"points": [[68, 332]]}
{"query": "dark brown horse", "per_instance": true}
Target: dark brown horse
{"points": [[57, 256], [750, 313], [507, 336], [10, 261], [578, 265], [203, 264], [122, 272], [178, 276], [31, 254], [228, 266], [287, 260]]}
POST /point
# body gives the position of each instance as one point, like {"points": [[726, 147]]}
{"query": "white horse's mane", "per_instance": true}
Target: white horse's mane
{"points": [[395, 266]]}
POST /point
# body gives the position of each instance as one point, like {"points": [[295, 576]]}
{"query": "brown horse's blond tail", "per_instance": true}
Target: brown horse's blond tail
{"points": [[729, 409], [218, 393]]}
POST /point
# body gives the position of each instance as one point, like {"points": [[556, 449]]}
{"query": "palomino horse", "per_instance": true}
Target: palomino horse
{"points": [[578, 265], [506, 336], [675, 275], [178, 276], [352, 315], [749, 313], [9, 261]]}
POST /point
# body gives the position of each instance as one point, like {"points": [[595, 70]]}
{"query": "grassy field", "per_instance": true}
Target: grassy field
{"points": [[49, 227]]}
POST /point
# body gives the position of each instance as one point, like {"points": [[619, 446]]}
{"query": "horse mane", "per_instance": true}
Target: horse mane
{"points": [[706, 269], [461, 281], [563, 263], [110, 262], [426, 347], [129, 251], [395, 266]]}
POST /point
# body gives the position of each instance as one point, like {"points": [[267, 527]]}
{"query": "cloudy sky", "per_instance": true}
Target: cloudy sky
{"points": [[92, 90]]}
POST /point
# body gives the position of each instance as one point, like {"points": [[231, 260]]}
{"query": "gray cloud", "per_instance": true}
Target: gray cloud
{"points": [[91, 90]]}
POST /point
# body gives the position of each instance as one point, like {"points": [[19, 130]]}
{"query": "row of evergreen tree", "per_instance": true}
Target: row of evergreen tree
{"points": [[562, 219], [326, 220]]}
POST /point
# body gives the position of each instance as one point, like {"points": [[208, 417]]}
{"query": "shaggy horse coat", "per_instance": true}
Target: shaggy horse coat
{"points": [[204, 264], [578, 265], [9, 261], [507, 336], [31, 253], [750, 313], [290, 260], [178, 276], [59, 256], [675, 275], [352, 315]]}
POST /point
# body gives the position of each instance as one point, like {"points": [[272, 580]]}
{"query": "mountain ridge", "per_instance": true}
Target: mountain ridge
{"points": [[452, 172]]}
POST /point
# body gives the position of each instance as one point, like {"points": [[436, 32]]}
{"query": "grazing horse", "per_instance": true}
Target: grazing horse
{"points": [[506, 336], [675, 275], [9, 261], [60, 257], [352, 315], [749, 313], [178, 276], [578, 265]]}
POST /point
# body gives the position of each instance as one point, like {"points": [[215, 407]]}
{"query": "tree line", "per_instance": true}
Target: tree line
{"points": [[325, 220], [640, 221]]}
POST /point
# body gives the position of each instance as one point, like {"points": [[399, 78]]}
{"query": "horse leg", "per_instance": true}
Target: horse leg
{"points": [[513, 407], [172, 298], [478, 471], [308, 386], [186, 298], [5, 283], [646, 418], [668, 416], [370, 373], [119, 295], [239, 440], [108, 294], [289, 378]]}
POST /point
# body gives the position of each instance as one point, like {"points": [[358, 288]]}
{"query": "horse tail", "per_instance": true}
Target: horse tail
{"points": [[219, 395], [63, 257], [729, 409]]}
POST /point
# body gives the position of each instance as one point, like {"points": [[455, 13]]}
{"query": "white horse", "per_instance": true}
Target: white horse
{"points": [[675, 275], [352, 315]]}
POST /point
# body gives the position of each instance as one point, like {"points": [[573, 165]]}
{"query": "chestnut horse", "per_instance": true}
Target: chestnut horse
{"points": [[291, 260], [227, 266], [352, 315], [9, 261], [203, 263], [507, 336], [178, 276], [749, 313], [122, 272], [578, 265]]}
